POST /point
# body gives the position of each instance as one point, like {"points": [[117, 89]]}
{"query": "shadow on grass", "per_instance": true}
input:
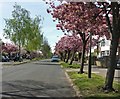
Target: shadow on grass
{"points": [[29, 89], [97, 97]]}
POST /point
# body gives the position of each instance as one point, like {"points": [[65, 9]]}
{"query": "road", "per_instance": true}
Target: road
{"points": [[35, 79]]}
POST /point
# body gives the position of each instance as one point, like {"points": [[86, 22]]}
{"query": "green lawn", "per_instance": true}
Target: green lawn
{"points": [[91, 88], [66, 65]]}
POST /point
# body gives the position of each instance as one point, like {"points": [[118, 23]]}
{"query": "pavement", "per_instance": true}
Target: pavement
{"points": [[36, 79], [14, 63], [100, 71]]}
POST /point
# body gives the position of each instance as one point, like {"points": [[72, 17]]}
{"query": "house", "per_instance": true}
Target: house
{"points": [[103, 48]]}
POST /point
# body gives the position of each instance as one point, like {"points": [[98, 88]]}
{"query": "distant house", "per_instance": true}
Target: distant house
{"points": [[104, 48]]}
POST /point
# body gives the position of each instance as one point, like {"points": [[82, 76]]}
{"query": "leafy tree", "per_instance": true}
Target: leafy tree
{"points": [[1, 43], [79, 18], [68, 44], [46, 49], [14, 27], [113, 23], [34, 38], [23, 30], [94, 14]]}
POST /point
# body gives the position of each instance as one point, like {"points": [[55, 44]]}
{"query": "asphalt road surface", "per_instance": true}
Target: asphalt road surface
{"points": [[35, 79]]}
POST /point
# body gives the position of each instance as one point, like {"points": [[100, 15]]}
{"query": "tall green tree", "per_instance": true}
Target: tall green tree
{"points": [[46, 49], [23, 30], [34, 41], [15, 26]]}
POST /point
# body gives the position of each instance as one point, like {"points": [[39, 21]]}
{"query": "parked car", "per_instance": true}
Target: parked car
{"points": [[5, 58], [28, 57], [55, 58], [17, 58]]}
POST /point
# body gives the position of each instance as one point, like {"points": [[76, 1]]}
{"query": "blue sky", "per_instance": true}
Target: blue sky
{"points": [[35, 8]]}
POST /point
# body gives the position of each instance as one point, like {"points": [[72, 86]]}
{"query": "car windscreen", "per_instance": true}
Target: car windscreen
{"points": [[55, 57]]}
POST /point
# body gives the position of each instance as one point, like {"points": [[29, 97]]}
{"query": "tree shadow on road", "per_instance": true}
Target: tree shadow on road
{"points": [[29, 89]]}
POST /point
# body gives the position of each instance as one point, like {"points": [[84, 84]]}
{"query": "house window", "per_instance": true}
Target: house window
{"points": [[103, 53], [103, 42], [108, 53]]}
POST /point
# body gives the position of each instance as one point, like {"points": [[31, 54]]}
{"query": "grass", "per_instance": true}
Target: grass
{"points": [[91, 88], [66, 65]]}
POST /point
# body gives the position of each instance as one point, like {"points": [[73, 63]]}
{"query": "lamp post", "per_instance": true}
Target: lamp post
{"points": [[89, 64]]}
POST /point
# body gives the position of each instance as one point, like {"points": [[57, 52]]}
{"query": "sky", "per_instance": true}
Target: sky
{"points": [[36, 7]]}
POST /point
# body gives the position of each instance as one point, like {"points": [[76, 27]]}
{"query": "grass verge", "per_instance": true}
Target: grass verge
{"points": [[91, 88], [66, 65], [22, 62]]}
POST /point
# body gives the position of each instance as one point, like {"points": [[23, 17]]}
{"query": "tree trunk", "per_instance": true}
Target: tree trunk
{"points": [[119, 50], [79, 56], [19, 53], [61, 56], [97, 48], [68, 56], [115, 31], [72, 58], [112, 65], [82, 59], [65, 55]]}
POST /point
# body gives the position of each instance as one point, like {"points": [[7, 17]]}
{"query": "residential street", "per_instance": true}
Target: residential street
{"points": [[35, 79]]}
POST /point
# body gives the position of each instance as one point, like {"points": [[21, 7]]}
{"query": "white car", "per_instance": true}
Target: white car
{"points": [[55, 58]]}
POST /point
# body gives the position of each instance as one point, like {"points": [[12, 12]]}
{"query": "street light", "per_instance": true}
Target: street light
{"points": [[89, 64]]}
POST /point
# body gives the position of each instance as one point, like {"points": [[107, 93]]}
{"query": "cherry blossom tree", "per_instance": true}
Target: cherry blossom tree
{"points": [[79, 18], [61, 47], [73, 46], [8, 48], [113, 23], [91, 17], [69, 44]]}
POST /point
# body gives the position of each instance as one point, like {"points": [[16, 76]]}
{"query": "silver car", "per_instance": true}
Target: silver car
{"points": [[55, 58]]}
